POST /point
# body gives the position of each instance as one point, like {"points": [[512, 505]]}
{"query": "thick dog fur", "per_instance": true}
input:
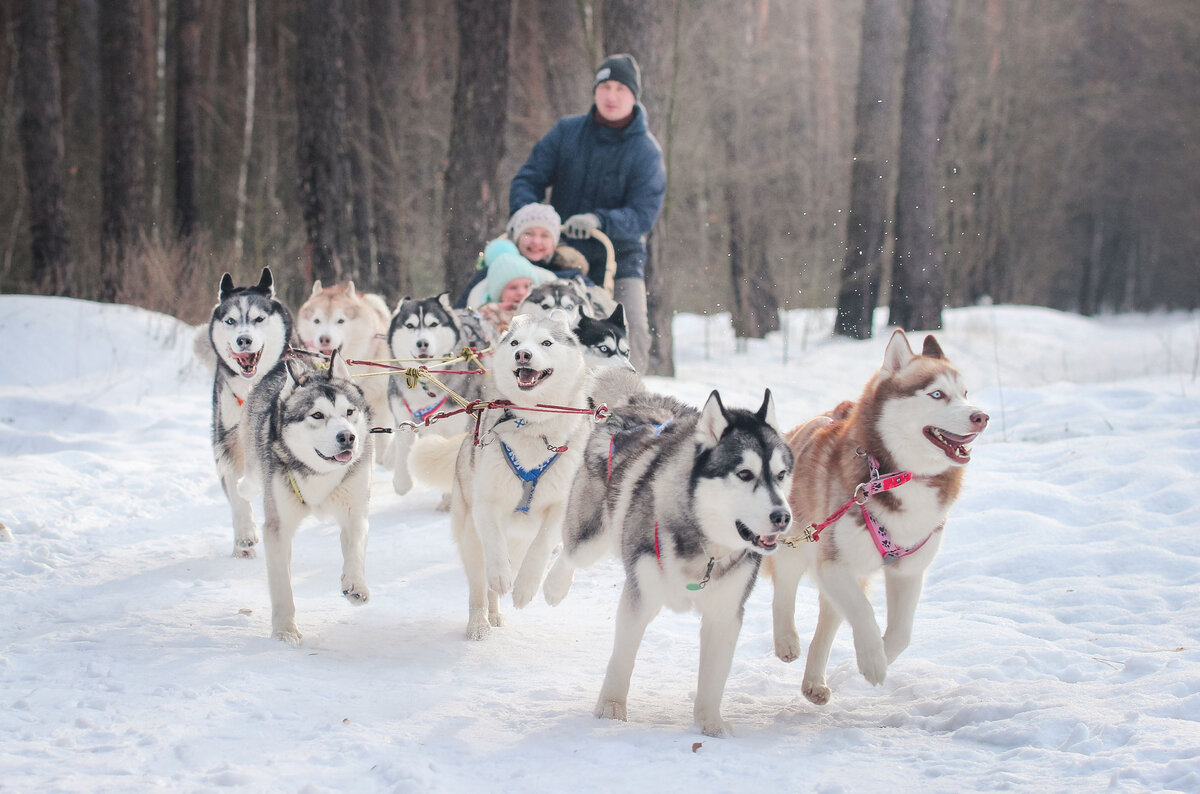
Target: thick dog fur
{"points": [[912, 416], [310, 453], [693, 501], [605, 340], [355, 325], [421, 329], [248, 333], [504, 530]]}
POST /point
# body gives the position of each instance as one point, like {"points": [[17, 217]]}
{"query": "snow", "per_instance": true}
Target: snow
{"points": [[1055, 645]]}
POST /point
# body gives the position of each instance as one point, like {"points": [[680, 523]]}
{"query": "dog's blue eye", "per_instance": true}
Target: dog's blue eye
{"points": [[229, 321], [745, 475], [318, 415], [936, 394], [605, 349], [514, 343]]}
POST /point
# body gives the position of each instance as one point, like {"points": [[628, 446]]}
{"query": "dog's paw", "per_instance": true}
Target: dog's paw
{"points": [[355, 591], [523, 593], [289, 634], [714, 726], [478, 627], [444, 505], [401, 481], [894, 643], [610, 709], [558, 584], [787, 646], [496, 619], [872, 663], [500, 580], [817, 692], [244, 547]]}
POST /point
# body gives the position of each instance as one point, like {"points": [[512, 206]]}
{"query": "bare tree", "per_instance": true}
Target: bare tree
{"points": [[648, 32], [918, 293], [870, 173], [381, 36], [357, 151], [469, 205], [123, 128], [187, 61], [239, 222], [42, 144]]}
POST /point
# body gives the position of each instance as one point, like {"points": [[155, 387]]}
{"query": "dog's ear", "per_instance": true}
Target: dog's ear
{"points": [[713, 421], [931, 348], [444, 300], [350, 288], [338, 368], [898, 353], [766, 412], [400, 303], [317, 289], [297, 374], [266, 284], [226, 287], [618, 317]]}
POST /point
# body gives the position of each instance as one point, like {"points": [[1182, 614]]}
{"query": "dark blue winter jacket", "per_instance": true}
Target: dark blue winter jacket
{"points": [[616, 174]]}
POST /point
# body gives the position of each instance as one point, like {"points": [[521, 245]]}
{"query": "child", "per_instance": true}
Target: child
{"points": [[510, 277]]}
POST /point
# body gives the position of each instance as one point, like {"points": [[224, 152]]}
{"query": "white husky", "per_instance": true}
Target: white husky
{"points": [[875, 479], [509, 492]]}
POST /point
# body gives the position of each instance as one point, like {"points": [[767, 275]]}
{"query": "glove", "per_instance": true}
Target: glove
{"points": [[579, 226]]}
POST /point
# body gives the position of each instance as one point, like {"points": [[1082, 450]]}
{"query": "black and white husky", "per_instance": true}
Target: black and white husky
{"points": [[692, 500], [310, 453], [249, 331], [605, 341], [509, 491], [429, 329]]}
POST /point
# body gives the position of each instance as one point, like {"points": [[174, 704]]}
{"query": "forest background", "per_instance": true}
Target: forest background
{"points": [[918, 154]]}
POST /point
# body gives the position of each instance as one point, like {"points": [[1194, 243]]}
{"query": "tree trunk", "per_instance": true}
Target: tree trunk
{"points": [[42, 145], [870, 173], [649, 32], [239, 221], [469, 205], [123, 128], [187, 64], [384, 136], [918, 293], [358, 186], [321, 108]]}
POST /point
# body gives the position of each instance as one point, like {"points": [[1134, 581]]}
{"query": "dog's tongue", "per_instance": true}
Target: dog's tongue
{"points": [[248, 362], [527, 377], [344, 456]]}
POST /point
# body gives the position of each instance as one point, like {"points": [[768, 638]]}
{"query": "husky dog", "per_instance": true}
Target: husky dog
{"points": [[248, 331], [311, 449], [429, 329], [605, 342], [352, 323], [912, 420], [559, 293], [693, 499], [509, 492]]}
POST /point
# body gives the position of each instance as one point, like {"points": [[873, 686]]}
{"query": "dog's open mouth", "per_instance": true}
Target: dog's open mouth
{"points": [[247, 362], [767, 543], [956, 447], [528, 378], [345, 456]]}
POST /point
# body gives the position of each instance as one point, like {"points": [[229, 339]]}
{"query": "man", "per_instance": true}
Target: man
{"points": [[605, 171]]}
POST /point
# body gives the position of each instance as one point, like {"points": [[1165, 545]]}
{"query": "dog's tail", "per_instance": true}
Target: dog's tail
{"points": [[432, 460]]}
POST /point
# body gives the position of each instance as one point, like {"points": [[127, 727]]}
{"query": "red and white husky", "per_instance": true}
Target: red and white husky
{"points": [[876, 479]]}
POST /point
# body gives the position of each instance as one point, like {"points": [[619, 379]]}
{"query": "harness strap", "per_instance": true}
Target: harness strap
{"points": [[883, 541], [528, 477], [421, 413], [295, 488]]}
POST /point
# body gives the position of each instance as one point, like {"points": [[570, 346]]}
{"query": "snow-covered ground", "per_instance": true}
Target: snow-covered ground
{"points": [[1056, 646]]}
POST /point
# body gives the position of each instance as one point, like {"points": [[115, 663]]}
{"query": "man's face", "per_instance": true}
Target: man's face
{"points": [[614, 100], [535, 244]]}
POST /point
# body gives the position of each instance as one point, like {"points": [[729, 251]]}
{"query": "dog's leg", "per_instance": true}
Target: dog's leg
{"points": [[845, 593], [719, 629], [245, 532], [903, 592], [533, 566], [788, 567], [401, 477], [480, 602], [633, 616], [493, 538], [814, 686], [354, 556], [277, 543], [584, 536]]}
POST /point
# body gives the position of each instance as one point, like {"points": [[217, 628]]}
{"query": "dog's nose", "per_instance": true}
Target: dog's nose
{"points": [[422, 344], [346, 438], [980, 420], [324, 340], [780, 519], [244, 341], [523, 356]]}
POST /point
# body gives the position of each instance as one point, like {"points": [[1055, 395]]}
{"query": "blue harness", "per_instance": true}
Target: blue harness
{"points": [[529, 477]]}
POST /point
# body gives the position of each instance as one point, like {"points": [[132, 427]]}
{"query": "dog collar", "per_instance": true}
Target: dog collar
{"points": [[712, 561]]}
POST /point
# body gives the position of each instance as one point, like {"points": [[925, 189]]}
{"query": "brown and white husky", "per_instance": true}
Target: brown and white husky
{"points": [[875, 479]]}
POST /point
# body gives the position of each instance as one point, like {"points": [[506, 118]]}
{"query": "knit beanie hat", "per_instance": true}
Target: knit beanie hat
{"points": [[622, 68], [496, 247], [507, 266], [542, 216]]}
